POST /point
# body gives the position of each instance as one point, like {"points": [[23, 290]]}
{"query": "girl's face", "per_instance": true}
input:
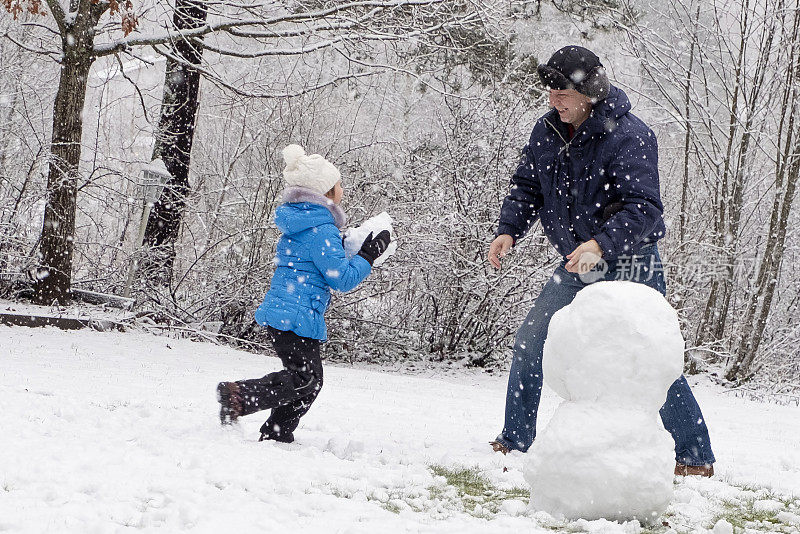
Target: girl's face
{"points": [[338, 193]]}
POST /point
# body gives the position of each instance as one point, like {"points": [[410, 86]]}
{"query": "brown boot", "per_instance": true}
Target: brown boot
{"points": [[682, 470], [498, 447], [230, 401]]}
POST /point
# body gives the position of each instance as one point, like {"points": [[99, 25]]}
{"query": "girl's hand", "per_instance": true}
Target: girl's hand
{"points": [[372, 248]]}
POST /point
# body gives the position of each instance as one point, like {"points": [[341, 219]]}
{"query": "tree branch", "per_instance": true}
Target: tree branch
{"points": [[35, 25], [58, 15], [276, 51], [55, 55], [306, 30], [135, 86], [375, 36], [219, 81], [123, 44]]}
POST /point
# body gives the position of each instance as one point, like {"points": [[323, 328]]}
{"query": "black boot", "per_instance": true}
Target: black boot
{"points": [[230, 402], [275, 435]]}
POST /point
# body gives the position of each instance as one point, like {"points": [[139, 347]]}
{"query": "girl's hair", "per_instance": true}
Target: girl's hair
{"points": [[329, 194]]}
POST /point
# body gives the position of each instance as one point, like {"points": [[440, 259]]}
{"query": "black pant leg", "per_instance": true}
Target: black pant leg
{"points": [[305, 353], [284, 419], [300, 377]]}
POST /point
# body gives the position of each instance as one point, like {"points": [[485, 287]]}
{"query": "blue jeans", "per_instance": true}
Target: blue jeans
{"points": [[680, 414]]}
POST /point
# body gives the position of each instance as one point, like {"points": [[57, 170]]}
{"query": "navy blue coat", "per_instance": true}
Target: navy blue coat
{"points": [[310, 261], [601, 184]]}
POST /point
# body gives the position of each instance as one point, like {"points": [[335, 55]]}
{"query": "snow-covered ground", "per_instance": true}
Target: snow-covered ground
{"points": [[109, 432]]}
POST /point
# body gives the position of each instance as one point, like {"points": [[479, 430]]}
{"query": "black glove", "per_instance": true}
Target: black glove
{"points": [[374, 247]]}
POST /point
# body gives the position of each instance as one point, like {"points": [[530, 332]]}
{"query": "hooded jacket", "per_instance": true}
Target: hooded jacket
{"points": [[310, 261], [602, 184]]}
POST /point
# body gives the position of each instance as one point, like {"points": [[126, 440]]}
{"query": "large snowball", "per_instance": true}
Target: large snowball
{"points": [[354, 237], [595, 460], [616, 341]]}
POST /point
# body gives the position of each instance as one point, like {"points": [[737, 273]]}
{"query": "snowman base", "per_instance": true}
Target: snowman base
{"points": [[597, 461]]}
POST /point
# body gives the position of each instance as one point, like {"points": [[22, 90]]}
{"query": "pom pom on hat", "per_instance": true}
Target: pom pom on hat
{"points": [[310, 171], [292, 154]]}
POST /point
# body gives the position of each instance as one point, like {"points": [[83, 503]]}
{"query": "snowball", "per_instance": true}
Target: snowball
{"points": [[599, 461], [354, 237], [344, 448], [514, 507], [616, 341], [291, 155], [722, 527]]}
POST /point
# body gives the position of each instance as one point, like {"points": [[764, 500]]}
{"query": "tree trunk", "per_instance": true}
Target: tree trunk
{"points": [[715, 318], [174, 144], [761, 305], [786, 181], [688, 137], [58, 229]]}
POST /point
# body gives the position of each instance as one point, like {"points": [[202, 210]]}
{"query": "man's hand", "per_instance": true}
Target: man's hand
{"points": [[583, 258], [499, 248]]}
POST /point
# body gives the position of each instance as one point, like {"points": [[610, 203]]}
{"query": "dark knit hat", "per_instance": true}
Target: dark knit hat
{"points": [[575, 67]]}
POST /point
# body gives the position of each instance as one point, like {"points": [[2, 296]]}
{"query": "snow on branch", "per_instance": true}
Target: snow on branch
{"points": [[54, 54], [376, 35], [215, 78], [231, 24], [281, 51]]}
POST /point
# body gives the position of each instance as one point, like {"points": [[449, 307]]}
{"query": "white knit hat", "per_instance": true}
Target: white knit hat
{"points": [[312, 172]]}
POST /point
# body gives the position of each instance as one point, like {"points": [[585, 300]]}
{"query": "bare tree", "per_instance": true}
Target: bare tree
{"points": [[22, 147], [79, 38], [746, 100], [727, 89], [787, 158], [175, 137], [75, 30]]}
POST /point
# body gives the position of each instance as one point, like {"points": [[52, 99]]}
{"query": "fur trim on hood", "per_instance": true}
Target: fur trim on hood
{"points": [[303, 194]]}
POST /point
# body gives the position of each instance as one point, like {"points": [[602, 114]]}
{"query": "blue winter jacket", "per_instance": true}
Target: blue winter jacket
{"points": [[310, 261], [601, 184]]}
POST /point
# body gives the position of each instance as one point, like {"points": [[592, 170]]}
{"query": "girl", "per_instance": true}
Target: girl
{"points": [[310, 261]]}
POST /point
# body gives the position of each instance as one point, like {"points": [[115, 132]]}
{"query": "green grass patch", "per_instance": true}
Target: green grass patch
{"points": [[742, 513], [468, 480], [391, 507], [472, 491]]}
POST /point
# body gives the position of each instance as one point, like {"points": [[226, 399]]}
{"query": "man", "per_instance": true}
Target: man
{"points": [[590, 174]]}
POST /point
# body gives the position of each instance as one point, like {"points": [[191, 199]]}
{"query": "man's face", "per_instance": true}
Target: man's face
{"points": [[572, 106]]}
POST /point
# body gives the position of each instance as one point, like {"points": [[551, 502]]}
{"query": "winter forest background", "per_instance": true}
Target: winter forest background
{"points": [[425, 106]]}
